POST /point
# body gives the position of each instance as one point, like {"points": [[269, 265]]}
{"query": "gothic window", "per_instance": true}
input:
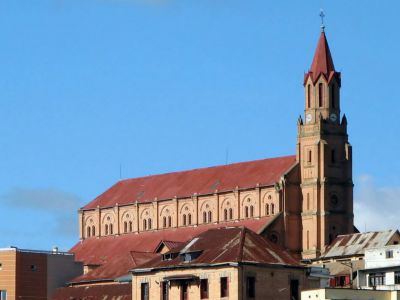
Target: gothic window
{"points": [[225, 214], [184, 220], [246, 212], [333, 96], [309, 156], [189, 219], [308, 96], [111, 228], [88, 231], [125, 227], [204, 217], [93, 230], [267, 209], [130, 226], [209, 217], [251, 211], [106, 229], [164, 222], [169, 221], [149, 223], [308, 201], [272, 209], [230, 214], [320, 94]]}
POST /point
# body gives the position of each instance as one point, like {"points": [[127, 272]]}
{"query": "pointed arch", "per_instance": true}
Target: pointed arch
{"points": [[251, 211], [184, 220], [88, 231], [225, 214], [189, 219], [130, 226], [267, 209], [230, 214], [93, 230], [209, 216]]}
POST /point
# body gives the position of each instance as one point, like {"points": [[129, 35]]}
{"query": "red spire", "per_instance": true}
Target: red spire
{"points": [[322, 62]]}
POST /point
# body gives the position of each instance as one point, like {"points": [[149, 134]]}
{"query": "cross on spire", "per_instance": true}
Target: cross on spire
{"points": [[322, 15]]}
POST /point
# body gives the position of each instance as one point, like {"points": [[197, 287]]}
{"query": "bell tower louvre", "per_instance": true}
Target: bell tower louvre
{"points": [[325, 157]]}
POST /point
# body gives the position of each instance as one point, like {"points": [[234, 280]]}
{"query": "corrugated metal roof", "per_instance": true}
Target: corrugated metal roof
{"points": [[201, 181], [95, 292], [223, 245], [356, 243], [116, 255]]}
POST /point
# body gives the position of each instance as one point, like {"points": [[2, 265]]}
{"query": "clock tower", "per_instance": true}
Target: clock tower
{"points": [[324, 156]]}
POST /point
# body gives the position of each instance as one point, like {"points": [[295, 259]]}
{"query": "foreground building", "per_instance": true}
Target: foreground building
{"points": [[348, 254], [230, 262], [29, 274]]}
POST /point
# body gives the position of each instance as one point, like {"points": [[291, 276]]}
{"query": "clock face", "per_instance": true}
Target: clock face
{"points": [[333, 117], [308, 118]]}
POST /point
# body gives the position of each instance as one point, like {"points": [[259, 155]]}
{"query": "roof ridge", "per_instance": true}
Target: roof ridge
{"points": [[210, 167]]}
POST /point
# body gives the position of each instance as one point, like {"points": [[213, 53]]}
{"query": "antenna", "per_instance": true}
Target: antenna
{"points": [[322, 15]]}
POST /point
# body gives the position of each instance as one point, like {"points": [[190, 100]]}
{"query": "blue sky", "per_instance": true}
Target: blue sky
{"points": [[159, 86]]}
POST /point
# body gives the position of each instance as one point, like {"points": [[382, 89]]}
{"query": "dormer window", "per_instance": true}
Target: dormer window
{"points": [[188, 257]]}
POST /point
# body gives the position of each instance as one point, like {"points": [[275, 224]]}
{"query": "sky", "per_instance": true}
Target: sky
{"points": [[92, 91]]}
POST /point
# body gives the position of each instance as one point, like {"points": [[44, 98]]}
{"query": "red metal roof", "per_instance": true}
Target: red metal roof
{"points": [[118, 254], [223, 245], [95, 292], [322, 63], [201, 181]]}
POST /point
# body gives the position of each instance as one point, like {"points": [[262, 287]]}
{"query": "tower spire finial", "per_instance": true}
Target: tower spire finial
{"points": [[322, 15]]}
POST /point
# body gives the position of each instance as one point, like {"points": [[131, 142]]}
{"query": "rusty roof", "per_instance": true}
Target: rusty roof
{"points": [[95, 292], [203, 181], [224, 245], [116, 255], [356, 243]]}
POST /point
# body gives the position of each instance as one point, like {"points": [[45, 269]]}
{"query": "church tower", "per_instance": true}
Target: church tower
{"points": [[325, 157]]}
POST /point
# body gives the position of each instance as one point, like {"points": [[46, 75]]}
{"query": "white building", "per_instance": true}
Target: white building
{"points": [[382, 269]]}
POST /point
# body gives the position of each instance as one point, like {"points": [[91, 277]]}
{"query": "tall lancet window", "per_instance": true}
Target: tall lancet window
{"points": [[320, 95], [308, 96], [333, 103]]}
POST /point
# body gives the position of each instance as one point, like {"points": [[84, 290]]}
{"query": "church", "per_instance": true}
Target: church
{"points": [[299, 202]]}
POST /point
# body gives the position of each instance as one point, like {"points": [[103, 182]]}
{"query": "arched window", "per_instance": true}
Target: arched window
{"points": [[88, 232], [225, 214], [308, 96], [230, 214], [204, 217], [144, 224], [111, 228], [93, 230], [251, 210], [333, 103], [106, 229], [189, 219], [164, 220], [169, 221], [209, 217], [246, 211], [149, 223], [320, 94], [184, 220], [125, 227], [267, 209], [130, 226], [272, 209]]}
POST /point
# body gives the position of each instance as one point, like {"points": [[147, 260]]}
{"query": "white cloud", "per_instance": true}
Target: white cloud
{"points": [[39, 202], [376, 208]]}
